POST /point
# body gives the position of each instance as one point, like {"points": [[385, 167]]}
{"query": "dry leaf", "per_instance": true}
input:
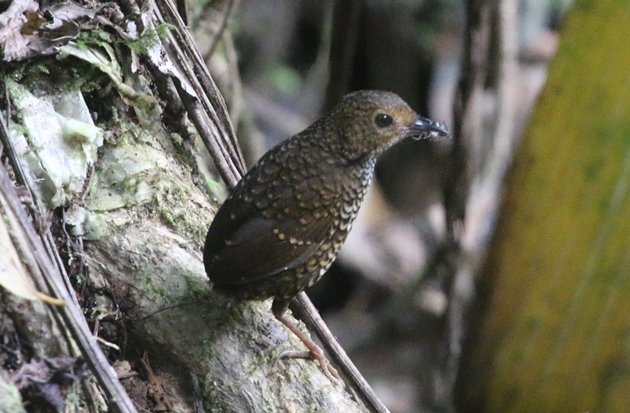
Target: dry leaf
{"points": [[13, 274]]}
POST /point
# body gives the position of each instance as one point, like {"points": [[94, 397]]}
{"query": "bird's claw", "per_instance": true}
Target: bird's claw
{"points": [[324, 365]]}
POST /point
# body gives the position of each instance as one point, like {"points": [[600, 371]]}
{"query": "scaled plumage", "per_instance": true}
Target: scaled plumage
{"points": [[284, 222]]}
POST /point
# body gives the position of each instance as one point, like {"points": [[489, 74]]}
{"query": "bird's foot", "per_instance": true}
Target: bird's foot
{"points": [[318, 355], [314, 351]]}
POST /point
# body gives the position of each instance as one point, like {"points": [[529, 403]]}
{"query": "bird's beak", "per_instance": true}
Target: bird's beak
{"points": [[424, 128]]}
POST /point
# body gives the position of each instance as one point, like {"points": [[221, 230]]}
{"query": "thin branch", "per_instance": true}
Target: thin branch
{"points": [[206, 106], [214, 11], [55, 280], [467, 116], [309, 314]]}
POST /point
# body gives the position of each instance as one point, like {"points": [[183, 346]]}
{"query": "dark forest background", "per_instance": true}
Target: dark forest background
{"points": [[486, 272]]}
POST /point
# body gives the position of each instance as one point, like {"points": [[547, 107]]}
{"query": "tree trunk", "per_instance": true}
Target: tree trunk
{"points": [[109, 134], [553, 331]]}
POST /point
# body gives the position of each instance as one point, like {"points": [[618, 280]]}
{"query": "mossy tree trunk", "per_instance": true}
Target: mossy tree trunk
{"points": [[108, 134], [552, 333]]}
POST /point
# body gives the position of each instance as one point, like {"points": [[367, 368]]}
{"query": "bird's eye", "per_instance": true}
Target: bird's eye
{"points": [[383, 120]]}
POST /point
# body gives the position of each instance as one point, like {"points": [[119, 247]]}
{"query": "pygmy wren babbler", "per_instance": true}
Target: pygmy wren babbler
{"points": [[282, 225]]}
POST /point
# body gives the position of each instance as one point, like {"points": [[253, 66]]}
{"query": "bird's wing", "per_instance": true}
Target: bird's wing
{"points": [[243, 246]]}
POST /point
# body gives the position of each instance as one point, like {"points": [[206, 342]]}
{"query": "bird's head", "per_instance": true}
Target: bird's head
{"points": [[370, 121]]}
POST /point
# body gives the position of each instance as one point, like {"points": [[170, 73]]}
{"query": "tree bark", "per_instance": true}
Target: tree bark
{"points": [[131, 216], [552, 332]]}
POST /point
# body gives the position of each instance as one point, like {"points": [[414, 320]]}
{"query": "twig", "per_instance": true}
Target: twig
{"points": [[220, 11], [206, 107], [182, 9], [309, 314], [467, 119], [54, 280]]}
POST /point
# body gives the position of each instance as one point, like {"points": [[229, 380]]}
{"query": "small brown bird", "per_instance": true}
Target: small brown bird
{"points": [[284, 222]]}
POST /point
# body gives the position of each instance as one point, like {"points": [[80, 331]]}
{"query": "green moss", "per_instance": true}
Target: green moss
{"points": [[163, 29], [28, 73], [20, 129], [197, 290], [87, 39], [172, 202], [216, 189], [48, 73], [182, 149], [177, 139], [158, 294], [96, 226], [124, 130], [148, 38]]}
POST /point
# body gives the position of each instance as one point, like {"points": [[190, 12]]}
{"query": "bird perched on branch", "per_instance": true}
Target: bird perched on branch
{"points": [[284, 222]]}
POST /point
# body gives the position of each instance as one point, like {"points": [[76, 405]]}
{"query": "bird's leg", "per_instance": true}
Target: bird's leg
{"points": [[279, 308]]}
